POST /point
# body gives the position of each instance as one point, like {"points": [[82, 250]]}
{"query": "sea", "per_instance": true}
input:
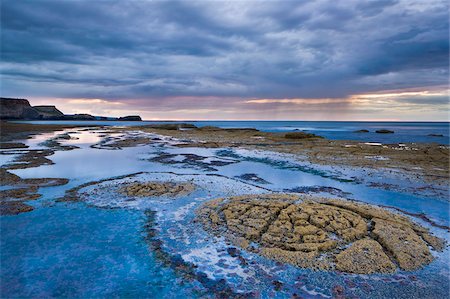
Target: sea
{"points": [[417, 132]]}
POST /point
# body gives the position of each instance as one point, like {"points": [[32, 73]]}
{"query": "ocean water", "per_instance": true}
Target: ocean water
{"points": [[404, 131], [97, 248]]}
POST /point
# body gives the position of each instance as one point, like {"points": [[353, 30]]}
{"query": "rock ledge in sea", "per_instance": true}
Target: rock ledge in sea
{"points": [[384, 131], [300, 135]]}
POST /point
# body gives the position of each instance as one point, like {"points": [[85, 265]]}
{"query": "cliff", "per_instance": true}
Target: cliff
{"points": [[17, 109], [20, 109], [130, 118]]}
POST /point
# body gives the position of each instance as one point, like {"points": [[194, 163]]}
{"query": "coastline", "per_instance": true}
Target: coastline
{"points": [[423, 167], [419, 168], [88, 171]]}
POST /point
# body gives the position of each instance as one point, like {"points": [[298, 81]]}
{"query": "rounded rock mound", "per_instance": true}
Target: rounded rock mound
{"points": [[148, 189], [319, 233]]}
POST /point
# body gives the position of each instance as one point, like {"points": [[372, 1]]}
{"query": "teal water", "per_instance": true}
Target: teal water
{"points": [[71, 251]]}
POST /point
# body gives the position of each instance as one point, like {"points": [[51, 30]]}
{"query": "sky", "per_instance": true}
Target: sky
{"points": [[234, 60]]}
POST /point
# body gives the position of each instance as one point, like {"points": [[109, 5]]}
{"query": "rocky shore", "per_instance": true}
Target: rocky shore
{"points": [[423, 168], [217, 217], [20, 109]]}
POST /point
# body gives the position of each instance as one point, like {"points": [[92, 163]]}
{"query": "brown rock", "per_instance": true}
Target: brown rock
{"points": [[300, 135], [14, 207], [148, 189], [364, 257], [314, 232], [410, 251]]}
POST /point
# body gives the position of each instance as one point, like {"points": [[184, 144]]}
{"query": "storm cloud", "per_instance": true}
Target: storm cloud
{"points": [[208, 53]]}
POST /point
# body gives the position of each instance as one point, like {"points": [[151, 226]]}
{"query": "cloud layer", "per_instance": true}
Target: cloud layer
{"points": [[200, 55]]}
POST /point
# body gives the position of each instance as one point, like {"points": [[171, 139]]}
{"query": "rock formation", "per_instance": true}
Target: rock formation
{"points": [[20, 109], [300, 135], [148, 189], [321, 233], [384, 131]]}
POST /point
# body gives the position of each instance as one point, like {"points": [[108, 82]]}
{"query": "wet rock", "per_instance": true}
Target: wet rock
{"points": [[300, 135], [128, 141], [370, 211], [20, 190], [200, 144], [252, 177], [55, 145], [361, 131], [234, 252], [191, 160], [427, 163], [384, 131], [410, 251], [14, 207], [147, 189], [314, 232], [73, 193], [296, 258], [8, 178], [209, 128], [30, 158], [338, 292], [28, 193], [435, 242], [364, 257], [319, 189], [10, 145], [174, 126], [278, 285]]}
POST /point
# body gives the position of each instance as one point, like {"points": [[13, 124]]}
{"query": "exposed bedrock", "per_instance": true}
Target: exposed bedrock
{"points": [[320, 233], [20, 190], [145, 189], [301, 135], [384, 131]]}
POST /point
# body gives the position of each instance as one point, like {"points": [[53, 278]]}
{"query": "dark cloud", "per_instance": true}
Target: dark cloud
{"points": [[441, 100], [229, 50]]}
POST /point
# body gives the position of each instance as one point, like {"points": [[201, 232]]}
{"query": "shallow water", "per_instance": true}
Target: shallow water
{"points": [[97, 248], [336, 130]]}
